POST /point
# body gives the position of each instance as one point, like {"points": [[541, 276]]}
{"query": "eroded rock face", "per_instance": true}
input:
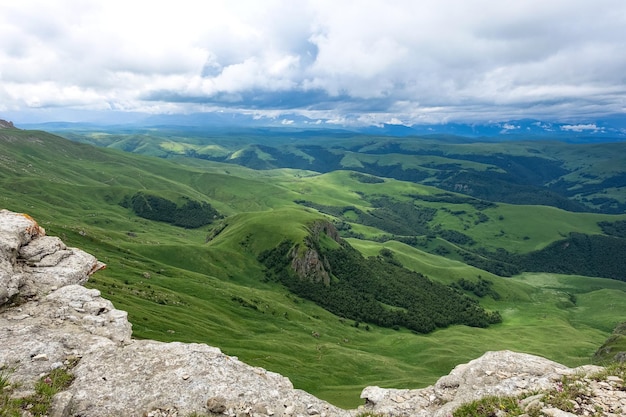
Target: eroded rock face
{"points": [[32, 264], [308, 265], [4, 124], [48, 320], [306, 261]]}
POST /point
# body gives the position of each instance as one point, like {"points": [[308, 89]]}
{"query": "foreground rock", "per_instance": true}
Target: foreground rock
{"points": [[499, 374], [48, 320]]}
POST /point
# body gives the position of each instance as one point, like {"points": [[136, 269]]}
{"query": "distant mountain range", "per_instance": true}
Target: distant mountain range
{"points": [[606, 129]]}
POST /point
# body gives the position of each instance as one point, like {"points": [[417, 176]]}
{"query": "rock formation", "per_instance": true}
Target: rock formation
{"points": [[4, 124], [48, 321], [502, 374], [306, 260]]}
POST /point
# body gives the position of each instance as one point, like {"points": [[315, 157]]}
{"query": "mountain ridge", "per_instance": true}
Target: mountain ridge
{"points": [[605, 129], [572, 176]]}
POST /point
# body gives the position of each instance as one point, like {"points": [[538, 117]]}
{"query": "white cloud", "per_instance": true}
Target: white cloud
{"points": [[394, 121], [347, 62], [581, 128]]}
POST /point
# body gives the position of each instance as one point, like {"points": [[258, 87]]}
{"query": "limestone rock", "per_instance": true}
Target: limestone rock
{"points": [[32, 264], [500, 373], [308, 265]]}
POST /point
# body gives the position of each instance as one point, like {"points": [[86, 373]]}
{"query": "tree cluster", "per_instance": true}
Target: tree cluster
{"points": [[481, 288], [579, 254], [366, 179], [192, 214], [378, 290], [616, 228], [590, 255], [403, 218]]}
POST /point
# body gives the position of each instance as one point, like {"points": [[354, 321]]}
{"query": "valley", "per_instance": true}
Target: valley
{"points": [[399, 196]]}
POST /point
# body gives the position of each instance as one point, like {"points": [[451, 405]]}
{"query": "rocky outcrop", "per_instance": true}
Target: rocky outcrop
{"points": [[309, 265], [306, 260], [324, 227], [502, 373], [4, 124], [535, 382], [48, 321]]}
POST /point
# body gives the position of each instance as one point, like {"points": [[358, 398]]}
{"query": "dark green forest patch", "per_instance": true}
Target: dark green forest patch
{"points": [[367, 179], [191, 214], [591, 255], [616, 228], [378, 290], [579, 254], [389, 215], [450, 198], [481, 288], [505, 188]]}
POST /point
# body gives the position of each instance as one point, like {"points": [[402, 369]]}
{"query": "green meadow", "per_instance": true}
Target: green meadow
{"points": [[205, 285]]}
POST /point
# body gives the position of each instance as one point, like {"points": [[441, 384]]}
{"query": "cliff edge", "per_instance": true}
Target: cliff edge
{"points": [[49, 321]]}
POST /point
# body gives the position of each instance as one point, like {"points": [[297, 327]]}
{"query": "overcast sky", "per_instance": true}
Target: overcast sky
{"points": [[361, 61]]}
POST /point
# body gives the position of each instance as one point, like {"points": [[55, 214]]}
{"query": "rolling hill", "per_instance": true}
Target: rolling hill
{"points": [[206, 284], [575, 177]]}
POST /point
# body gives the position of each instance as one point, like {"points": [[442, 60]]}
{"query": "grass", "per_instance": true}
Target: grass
{"points": [[281, 324], [176, 286], [490, 406], [40, 401], [516, 228]]}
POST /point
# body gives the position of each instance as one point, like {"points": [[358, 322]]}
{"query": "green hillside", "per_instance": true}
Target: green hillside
{"points": [[573, 177], [207, 285]]}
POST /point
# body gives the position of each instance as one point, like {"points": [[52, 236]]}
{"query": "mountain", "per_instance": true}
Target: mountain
{"points": [[594, 130], [209, 284]]}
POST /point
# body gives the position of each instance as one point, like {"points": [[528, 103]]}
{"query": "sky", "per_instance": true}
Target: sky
{"points": [[359, 62]]}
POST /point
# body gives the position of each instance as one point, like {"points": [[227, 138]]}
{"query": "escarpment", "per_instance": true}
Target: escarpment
{"points": [[307, 262], [49, 321]]}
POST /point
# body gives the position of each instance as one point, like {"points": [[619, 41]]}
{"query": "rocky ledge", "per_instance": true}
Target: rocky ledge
{"points": [[48, 320], [4, 124]]}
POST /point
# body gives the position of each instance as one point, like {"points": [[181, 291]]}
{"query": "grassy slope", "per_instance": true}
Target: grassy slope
{"points": [[589, 163], [515, 228], [177, 287]]}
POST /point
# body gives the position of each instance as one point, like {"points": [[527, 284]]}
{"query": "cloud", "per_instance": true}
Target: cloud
{"points": [[581, 128], [508, 127], [346, 62]]}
